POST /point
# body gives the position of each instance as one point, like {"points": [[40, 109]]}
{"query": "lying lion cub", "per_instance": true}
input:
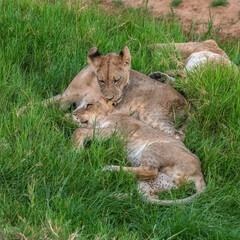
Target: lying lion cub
{"points": [[194, 54], [150, 151]]}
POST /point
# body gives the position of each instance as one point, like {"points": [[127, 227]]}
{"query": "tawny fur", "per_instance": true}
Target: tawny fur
{"points": [[209, 47], [186, 49], [194, 55], [150, 151], [153, 102]]}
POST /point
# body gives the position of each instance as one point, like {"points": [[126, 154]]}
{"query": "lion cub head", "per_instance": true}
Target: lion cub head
{"points": [[92, 112], [112, 71]]}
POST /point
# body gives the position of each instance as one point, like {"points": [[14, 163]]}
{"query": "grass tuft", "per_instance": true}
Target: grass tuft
{"points": [[217, 3], [117, 3], [176, 3]]}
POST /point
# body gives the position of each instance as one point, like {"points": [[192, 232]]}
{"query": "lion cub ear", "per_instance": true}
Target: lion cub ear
{"points": [[94, 58], [126, 56]]}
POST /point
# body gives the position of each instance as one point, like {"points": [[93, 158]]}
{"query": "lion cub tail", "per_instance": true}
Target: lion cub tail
{"points": [[200, 187], [168, 202]]}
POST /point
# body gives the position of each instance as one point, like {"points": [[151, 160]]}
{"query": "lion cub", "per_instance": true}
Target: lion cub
{"points": [[194, 55], [152, 153]]}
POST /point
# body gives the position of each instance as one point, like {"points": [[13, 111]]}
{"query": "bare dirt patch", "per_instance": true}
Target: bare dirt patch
{"points": [[226, 19]]}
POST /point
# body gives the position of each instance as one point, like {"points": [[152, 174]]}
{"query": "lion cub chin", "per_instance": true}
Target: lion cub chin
{"points": [[162, 161]]}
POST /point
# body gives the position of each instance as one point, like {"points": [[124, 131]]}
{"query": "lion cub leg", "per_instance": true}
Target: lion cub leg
{"points": [[80, 134], [142, 172], [65, 100], [150, 188], [169, 76]]}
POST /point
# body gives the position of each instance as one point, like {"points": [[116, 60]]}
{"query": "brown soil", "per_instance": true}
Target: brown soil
{"points": [[225, 19]]}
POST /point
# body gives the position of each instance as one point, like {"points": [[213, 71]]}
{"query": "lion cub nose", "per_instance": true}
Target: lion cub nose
{"points": [[109, 98]]}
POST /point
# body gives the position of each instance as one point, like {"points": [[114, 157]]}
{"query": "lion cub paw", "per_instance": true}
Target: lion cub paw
{"points": [[179, 135], [162, 77], [157, 76], [154, 196], [68, 116]]}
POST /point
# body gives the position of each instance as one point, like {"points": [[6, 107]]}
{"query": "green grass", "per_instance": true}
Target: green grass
{"points": [[176, 3], [48, 190], [117, 3], [217, 3]]}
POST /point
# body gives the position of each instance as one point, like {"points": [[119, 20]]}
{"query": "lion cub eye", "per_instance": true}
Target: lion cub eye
{"points": [[117, 80], [88, 106], [101, 81]]}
